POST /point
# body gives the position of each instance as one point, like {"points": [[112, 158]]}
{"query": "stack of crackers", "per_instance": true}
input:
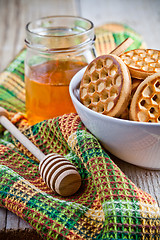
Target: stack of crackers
{"points": [[124, 84]]}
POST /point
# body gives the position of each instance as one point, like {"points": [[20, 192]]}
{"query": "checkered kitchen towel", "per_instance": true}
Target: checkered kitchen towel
{"points": [[107, 206]]}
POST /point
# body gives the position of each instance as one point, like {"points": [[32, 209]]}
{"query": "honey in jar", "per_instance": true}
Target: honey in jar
{"points": [[57, 48], [47, 91]]}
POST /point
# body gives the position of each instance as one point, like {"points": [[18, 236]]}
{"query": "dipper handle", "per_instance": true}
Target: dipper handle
{"points": [[59, 174], [18, 135], [121, 48]]}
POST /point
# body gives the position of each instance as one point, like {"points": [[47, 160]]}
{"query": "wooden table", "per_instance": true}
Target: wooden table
{"points": [[142, 15]]}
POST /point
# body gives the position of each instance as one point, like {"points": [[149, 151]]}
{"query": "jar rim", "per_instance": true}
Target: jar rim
{"points": [[60, 17], [59, 31]]}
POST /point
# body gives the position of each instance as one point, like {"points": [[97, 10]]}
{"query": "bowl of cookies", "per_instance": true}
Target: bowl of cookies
{"points": [[118, 100]]}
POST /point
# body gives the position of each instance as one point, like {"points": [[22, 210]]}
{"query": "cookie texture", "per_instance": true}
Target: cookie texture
{"points": [[106, 85], [142, 62], [145, 104]]}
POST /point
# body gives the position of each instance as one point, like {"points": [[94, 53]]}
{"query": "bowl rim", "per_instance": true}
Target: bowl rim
{"points": [[75, 83]]}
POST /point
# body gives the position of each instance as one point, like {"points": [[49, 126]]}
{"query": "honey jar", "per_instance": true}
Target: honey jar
{"points": [[57, 48]]}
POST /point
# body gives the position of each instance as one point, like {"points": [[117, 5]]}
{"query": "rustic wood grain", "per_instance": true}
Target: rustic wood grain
{"points": [[14, 15], [3, 216], [142, 15]]}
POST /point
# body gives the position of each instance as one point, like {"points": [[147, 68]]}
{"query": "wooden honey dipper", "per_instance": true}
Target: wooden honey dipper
{"points": [[59, 174]]}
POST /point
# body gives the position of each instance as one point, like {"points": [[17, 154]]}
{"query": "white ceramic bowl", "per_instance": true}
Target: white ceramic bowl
{"points": [[134, 142]]}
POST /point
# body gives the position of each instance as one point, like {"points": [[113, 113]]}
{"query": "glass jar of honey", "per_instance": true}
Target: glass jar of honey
{"points": [[57, 48]]}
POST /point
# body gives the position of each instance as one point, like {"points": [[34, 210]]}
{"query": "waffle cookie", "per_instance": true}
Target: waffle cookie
{"points": [[145, 104], [142, 62], [106, 85], [134, 84]]}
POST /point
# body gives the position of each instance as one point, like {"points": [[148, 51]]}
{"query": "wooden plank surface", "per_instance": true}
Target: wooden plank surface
{"points": [[14, 14], [142, 15]]}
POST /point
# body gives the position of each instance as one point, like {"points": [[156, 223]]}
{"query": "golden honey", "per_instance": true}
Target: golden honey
{"points": [[47, 89], [57, 48]]}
